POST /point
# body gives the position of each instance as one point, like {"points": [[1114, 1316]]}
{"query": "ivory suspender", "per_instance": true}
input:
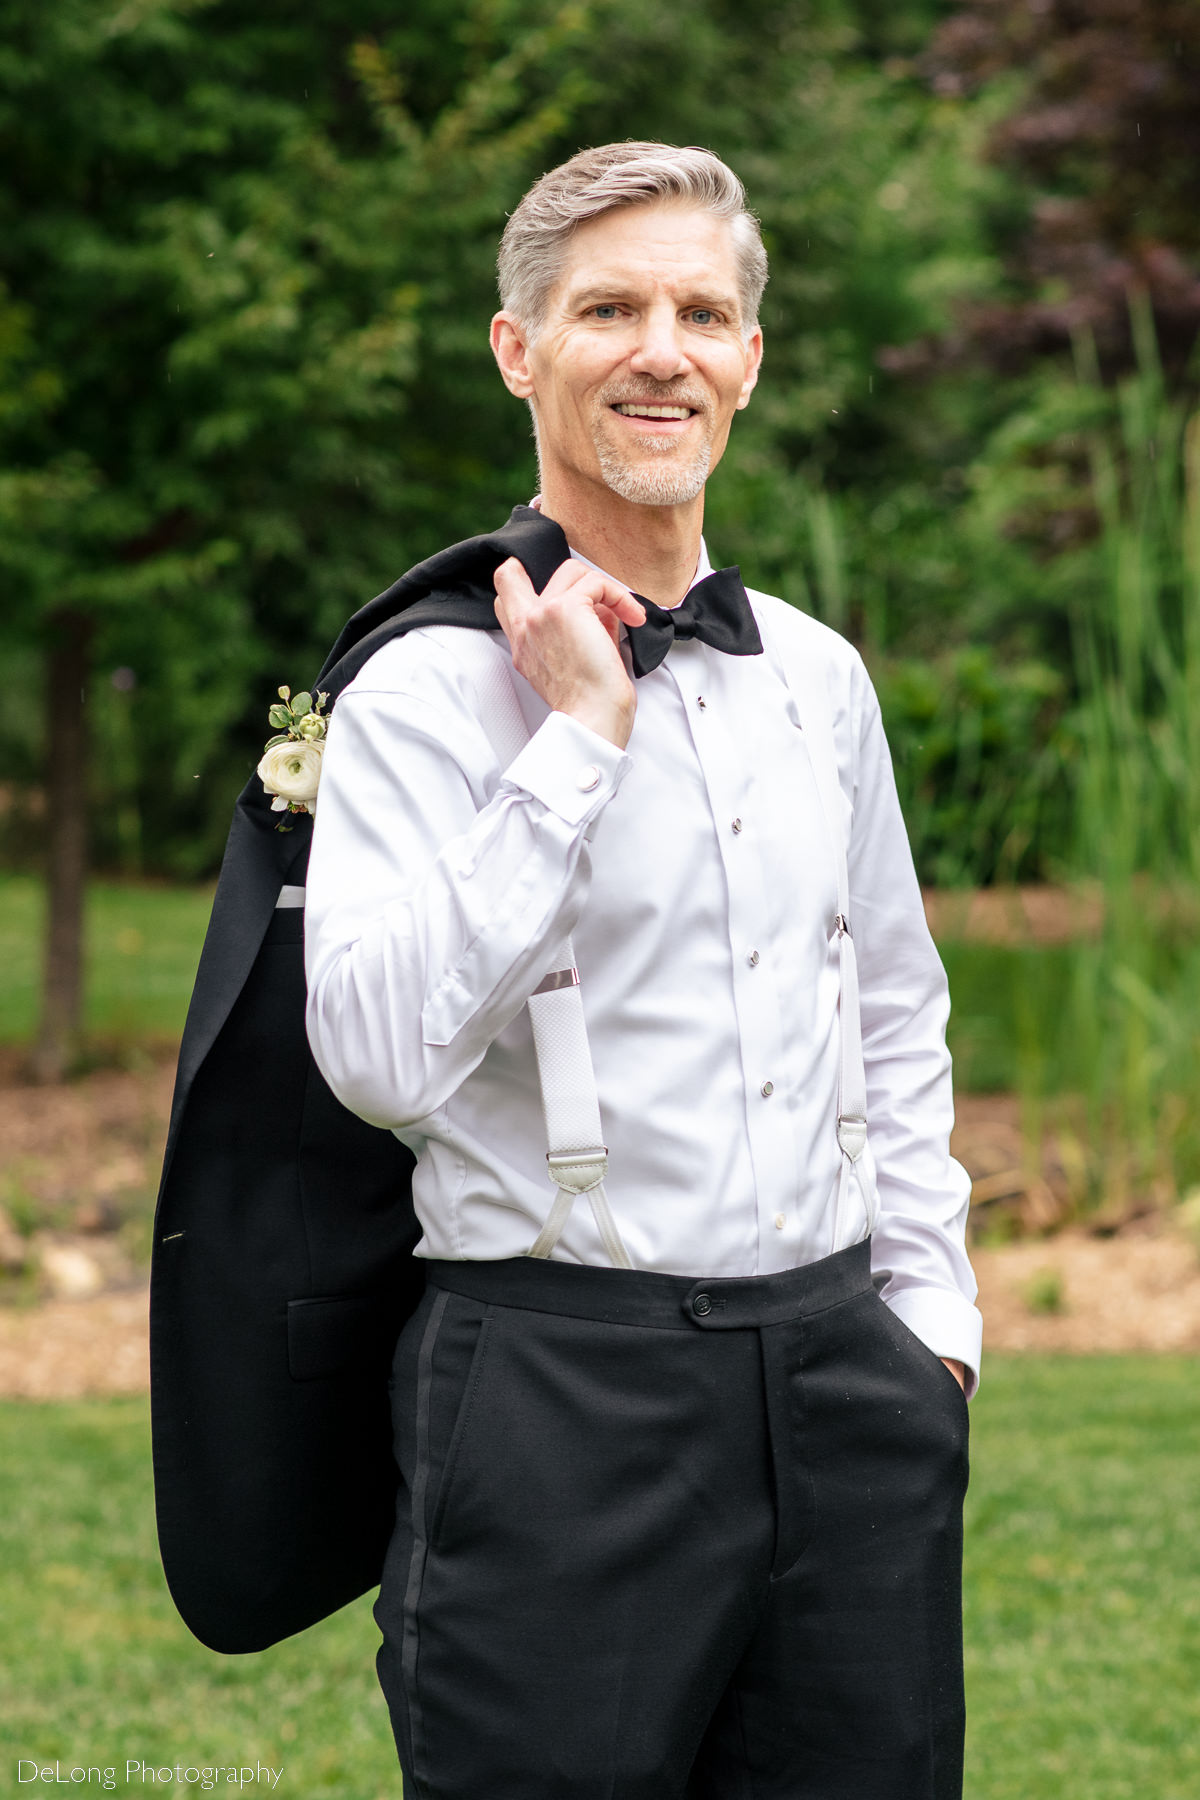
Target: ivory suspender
{"points": [[806, 687], [576, 1154]]}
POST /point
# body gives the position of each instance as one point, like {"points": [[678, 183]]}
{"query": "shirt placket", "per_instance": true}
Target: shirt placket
{"points": [[736, 792]]}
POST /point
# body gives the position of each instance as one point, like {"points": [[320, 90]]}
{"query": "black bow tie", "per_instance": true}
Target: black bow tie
{"points": [[716, 611]]}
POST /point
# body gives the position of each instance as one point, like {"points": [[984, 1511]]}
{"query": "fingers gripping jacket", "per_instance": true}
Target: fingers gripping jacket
{"points": [[576, 1154]]}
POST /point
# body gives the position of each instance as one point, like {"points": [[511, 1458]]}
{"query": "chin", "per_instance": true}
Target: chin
{"points": [[656, 481]]}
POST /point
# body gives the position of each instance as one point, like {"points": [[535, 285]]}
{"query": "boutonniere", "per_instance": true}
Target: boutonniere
{"points": [[291, 763]]}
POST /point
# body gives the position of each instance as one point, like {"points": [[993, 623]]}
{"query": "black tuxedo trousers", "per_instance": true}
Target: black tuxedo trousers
{"points": [[671, 1539]]}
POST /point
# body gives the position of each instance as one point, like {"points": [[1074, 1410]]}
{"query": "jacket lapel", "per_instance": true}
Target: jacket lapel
{"points": [[258, 860]]}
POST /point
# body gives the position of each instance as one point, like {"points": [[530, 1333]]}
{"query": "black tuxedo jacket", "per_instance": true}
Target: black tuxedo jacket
{"points": [[282, 1262]]}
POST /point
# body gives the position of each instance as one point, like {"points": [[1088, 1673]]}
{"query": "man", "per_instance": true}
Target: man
{"points": [[681, 1499]]}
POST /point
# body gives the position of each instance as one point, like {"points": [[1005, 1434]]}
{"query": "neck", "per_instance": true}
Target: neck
{"points": [[652, 549]]}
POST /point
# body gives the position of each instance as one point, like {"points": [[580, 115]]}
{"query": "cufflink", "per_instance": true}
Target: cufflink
{"points": [[588, 779]]}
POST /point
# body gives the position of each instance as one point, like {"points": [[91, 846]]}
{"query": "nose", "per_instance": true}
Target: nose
{"points": [[660, 349]]}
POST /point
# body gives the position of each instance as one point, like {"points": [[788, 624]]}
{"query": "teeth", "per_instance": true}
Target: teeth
{"points": [[632, 410]]}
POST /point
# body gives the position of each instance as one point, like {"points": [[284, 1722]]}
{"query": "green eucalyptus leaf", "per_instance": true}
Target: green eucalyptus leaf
{"points": [[280, 717], [283, 738], [300, 705]]}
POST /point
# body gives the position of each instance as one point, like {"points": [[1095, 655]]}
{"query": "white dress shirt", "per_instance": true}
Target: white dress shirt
{"points": [[694, 875]]}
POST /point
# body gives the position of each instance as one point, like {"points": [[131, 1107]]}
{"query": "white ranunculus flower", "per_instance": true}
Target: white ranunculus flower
{"points": [[292, 772]]}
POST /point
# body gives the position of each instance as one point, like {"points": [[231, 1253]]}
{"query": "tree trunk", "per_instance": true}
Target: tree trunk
{"points": [[68, 663]]}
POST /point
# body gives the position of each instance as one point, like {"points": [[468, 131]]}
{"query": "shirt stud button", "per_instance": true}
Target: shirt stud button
{"points": [[753, 959], [737, 825], [768, 1088], [780, 1221], [701, 702], [588, 778]]}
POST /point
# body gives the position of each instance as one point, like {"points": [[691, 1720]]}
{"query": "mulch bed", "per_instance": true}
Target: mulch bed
{"points": [[80, 1164]]}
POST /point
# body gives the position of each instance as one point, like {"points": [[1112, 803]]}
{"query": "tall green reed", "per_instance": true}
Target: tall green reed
{"points": [[1109, 801], [1134, 1007]]}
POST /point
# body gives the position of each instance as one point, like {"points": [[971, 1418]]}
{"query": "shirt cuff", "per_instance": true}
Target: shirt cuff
{"points": [[569, 767], [946, 1323]]}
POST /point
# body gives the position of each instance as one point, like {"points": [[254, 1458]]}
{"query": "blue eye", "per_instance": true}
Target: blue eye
{"points": [[605, 311], [702, 315]]}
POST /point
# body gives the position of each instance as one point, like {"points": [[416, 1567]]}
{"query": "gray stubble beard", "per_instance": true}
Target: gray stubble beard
{"points": [[664, 485]]}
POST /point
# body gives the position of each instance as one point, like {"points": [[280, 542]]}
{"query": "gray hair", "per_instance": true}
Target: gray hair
{"points": [[533, 249]]}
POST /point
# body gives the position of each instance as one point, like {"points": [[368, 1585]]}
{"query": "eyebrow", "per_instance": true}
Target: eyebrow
{"points": [[616, 290]]}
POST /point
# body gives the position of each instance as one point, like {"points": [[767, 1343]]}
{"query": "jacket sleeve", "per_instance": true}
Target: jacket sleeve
{"points": [[439, 884]]}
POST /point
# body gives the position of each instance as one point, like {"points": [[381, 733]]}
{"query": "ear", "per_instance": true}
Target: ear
{"points": [[754, 351], [511, 351]]}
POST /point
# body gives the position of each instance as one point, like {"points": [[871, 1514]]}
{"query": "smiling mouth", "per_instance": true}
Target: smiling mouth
{"points": [[637, 409]]}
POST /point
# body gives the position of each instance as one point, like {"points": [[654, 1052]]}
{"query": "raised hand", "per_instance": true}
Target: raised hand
{"points": [[565, 642]]}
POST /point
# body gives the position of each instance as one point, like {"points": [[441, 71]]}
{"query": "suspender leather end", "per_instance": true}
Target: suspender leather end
{"points": [[578, 1171], [852, 1136]]}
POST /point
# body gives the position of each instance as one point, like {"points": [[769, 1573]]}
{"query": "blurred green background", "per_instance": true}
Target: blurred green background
{"points": [[246, 268]]}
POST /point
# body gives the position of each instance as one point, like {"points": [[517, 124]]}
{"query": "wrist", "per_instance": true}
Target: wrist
{"points": [[611, 719], [958, 1370]]}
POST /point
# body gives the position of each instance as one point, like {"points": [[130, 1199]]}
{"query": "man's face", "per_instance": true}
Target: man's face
{"points": [[641, 363]]}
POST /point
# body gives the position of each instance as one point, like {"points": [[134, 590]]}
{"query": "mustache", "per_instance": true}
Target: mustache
{"points": [[653, 393]]}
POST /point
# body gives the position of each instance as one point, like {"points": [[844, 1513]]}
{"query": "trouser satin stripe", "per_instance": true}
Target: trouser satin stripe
{"points": [[420, 1548]]}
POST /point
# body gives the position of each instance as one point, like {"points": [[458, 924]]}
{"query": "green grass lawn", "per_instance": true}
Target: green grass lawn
{"points": [[1082, 1605], [143, 944], [96, 1667], [1083, 1580]]}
